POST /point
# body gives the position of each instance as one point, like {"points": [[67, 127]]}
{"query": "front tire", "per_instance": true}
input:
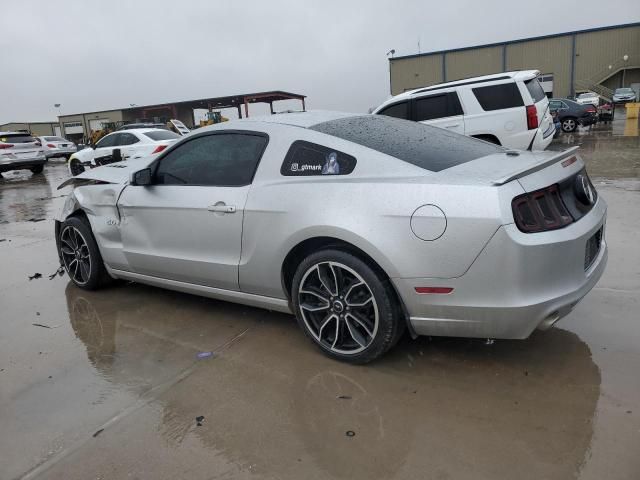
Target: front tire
{"points": [[80, 256], [75, 167], [345, 307], [569, 125]]}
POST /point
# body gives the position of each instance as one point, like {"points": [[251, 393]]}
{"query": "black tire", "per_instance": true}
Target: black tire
{"points": [[38, 169], [76, 242], [75, 167], [569, 124], [358, 309]]}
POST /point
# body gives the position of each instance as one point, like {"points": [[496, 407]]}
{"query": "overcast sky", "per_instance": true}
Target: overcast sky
{"points": [[104, 54]]}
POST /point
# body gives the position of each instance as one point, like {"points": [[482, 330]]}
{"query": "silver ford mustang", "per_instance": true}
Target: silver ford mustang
{"points": [[361, 225]]}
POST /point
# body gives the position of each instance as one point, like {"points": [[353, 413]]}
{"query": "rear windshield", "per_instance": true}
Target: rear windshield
{"points": [[54, 139], [498, 97], [535, 89], [161, 135], [16, 138], [424, 146]]}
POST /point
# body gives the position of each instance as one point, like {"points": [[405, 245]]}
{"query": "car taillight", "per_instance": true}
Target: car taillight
{"points": [[51, 145], [591, 109], [5, 145], [159, 148], [540, 210], [532, 117]]}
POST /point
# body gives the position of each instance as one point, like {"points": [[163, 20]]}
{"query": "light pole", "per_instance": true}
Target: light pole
{"points": [[625, 57], [390, 55], [57, 105]]}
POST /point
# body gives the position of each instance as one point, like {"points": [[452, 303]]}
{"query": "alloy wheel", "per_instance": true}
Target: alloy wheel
{"points": [[569, 125], [75, 255], [338, 308]]}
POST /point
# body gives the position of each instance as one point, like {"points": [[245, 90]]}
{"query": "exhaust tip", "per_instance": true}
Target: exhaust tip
{"points": [[549, 321]]}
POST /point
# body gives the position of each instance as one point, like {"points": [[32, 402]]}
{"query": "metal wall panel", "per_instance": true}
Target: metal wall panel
{"points": [[552, 55], [416, 72], [473, 63], [595, 51]]}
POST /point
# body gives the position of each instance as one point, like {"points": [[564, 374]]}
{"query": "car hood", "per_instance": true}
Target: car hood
{"points": [[119, 172]]}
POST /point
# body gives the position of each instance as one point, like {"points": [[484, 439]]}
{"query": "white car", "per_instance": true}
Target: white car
{"points": [[508, 109], [20, 151], [57, 147], [122, 145], [588, 98]]}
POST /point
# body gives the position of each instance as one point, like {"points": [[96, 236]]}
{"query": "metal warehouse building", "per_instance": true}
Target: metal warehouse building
{"points": [[39, 129], [599, 59]]}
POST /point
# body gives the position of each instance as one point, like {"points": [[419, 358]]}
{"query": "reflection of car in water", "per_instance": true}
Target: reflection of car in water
{"points": [[426, 408], [24, 198]]}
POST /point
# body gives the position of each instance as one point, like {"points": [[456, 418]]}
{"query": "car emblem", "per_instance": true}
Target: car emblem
{"points": [[584, 190]]}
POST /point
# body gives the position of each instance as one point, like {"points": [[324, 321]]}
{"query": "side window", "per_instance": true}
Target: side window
{"points": [[223, 160], [397, 110], [554, 105], [128, 139], [306, 158], [454, 104], [430, 108], [108, 141], [498, 97]]}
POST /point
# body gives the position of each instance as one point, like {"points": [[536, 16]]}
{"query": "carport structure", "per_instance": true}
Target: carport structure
{"points": [[178, 109]]}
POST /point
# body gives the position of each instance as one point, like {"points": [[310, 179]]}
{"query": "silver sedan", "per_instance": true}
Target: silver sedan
{"points": [[362, 226]]}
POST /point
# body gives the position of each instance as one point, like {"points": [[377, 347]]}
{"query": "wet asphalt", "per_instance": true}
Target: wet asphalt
{"points": [[109, 384]]}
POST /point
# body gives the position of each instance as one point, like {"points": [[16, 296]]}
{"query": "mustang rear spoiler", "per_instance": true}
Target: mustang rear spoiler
{"points": [[536, 166]]}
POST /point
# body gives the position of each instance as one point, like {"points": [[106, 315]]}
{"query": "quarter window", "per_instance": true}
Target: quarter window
{"points": [[224, 160], [397, 110], [498, 97], [306, 158], [127, 139]]}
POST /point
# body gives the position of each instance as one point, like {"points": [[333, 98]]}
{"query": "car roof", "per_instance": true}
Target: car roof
{"points": [[139, 130], [14, 133], [514, 75]]}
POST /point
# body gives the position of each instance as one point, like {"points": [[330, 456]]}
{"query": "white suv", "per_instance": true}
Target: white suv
{"points": [[509, 109]]}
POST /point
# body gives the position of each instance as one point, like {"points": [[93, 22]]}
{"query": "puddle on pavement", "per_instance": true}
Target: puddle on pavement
{"points": [[610, 150], [273, 403]]}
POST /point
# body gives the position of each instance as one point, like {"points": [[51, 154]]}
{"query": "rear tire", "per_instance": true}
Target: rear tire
{"points": [[37, 170], [569, 125], [345, 307], [80, 255]]}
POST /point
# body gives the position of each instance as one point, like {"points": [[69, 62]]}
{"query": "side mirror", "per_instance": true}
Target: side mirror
{"points": [[92, 146], [141, 178]]}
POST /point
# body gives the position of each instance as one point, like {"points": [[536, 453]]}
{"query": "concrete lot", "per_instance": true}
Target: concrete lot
{"points": [[110, 386]]}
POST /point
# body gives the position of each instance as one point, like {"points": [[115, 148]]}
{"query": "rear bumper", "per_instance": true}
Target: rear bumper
{"points": [[518, 283], [59, 152], [590, 120], [22, 164]]}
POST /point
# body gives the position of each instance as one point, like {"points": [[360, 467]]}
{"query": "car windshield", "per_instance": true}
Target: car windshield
{"points": [[159, 135], [425, 146], [624, 90], [586, 95]]}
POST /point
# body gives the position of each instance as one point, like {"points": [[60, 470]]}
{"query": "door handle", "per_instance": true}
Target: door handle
{"points": [[453, 126], [222, 208]]}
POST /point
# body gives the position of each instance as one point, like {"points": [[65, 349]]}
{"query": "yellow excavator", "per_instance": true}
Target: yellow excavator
{"points": [[212, 118]]}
